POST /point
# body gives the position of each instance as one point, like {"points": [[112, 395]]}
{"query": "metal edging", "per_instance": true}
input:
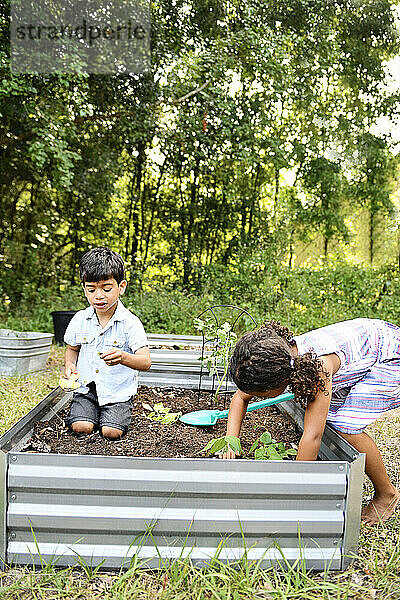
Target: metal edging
{"points": [[352, 512], [13, 435], [3, 509]]}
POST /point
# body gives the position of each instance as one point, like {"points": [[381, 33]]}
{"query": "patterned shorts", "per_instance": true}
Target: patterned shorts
{"points": [[377, 392]]}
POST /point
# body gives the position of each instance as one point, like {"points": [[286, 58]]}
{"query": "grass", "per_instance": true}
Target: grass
{"points": [[21, 393], [374, 575]]}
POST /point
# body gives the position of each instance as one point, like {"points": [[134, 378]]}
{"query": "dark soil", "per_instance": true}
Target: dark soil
{"points": [[152, 439]]}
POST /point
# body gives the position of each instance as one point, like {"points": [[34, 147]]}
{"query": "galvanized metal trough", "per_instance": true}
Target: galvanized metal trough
{"points": [[23, 351], [58, 507]]}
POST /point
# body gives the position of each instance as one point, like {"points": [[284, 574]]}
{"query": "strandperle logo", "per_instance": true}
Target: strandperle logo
{"points": [[70, 36], [85, 31]]}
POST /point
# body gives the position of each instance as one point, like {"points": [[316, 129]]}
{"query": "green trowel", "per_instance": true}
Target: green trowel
{"points": [[210, 417]]}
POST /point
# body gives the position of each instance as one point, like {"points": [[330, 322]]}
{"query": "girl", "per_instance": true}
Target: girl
{"points": [[346, 374]]}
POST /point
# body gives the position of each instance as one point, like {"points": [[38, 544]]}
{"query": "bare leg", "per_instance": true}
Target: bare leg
{"points": [[386, 496]]}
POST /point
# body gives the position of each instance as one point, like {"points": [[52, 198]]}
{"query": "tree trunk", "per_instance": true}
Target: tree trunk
{"points": [[75, 237], [326, 242], [187, 258], [371, 237], [154, 199], [132, 239], [276, 196]]}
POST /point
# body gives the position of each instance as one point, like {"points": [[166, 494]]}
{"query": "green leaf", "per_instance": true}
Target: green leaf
{"points": [[215, 445], [208, 445], [199, 324], [219, 444], [160, 408], [265, 438], [170, 418], [234, 443], [272, 453], [259, 454], [254, 446]]}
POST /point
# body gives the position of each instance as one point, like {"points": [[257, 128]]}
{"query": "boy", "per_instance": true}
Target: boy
{"points": [[106, 347]]}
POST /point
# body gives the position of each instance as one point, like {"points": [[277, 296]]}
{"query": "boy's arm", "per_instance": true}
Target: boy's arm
{"points": [[140, 361], [237, 411], [315, 417], [71, 358]]}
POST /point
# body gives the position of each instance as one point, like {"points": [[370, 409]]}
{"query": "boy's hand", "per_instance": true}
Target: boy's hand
{"points": [[113, 357], [70, 372], [69, 381]]}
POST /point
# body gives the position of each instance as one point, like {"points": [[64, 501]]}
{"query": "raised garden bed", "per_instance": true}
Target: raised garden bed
{"points": [[58, 506], [148, 438]]}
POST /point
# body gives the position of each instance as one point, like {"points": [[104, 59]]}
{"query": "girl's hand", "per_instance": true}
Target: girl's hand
{"points": [[229, 454], [113, 357]]}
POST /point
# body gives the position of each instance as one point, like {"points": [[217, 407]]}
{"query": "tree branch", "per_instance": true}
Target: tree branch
{"points": [[9, 139]]}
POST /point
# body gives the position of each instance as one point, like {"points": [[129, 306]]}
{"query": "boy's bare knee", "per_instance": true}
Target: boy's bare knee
{"points": [[82, 427], [112, 433]]}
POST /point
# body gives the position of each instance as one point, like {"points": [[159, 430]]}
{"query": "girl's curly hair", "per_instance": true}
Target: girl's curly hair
{"points": [[262, 360], [281, 330]]}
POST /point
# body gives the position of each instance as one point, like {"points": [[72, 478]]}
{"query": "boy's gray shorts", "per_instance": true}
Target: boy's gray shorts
{"points": [[85, 407]]}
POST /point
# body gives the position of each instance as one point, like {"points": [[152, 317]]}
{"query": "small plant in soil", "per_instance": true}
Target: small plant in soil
{"points": [[223, 444], [217, 361], [161, 413], [266, 448]]}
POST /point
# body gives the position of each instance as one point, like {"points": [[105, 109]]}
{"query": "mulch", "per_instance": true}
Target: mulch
{"points": [[148, 438]]}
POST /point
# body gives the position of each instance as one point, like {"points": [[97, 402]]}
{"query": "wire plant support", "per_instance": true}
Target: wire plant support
{"points": [[210, 333]]}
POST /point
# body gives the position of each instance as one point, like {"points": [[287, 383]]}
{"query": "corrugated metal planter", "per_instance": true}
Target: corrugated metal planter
{"points": [[56, 507], [167, 339], [23, 351]]}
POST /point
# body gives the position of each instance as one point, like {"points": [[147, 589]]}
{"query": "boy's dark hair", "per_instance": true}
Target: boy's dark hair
{"points": [[262, 361], [100, 264]]}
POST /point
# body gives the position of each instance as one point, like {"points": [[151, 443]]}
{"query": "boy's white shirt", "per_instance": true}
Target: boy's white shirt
{"points": [[124, 330]]}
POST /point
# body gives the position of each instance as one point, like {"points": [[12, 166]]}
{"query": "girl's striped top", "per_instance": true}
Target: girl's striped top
{"points": [[360, 344]]}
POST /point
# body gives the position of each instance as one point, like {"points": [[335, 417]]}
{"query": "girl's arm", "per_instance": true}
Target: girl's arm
{"points": [[237, 410], [316, 413]]}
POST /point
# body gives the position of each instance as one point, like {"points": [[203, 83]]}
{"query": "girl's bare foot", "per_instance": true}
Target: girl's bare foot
{"points": [[380, 508]]}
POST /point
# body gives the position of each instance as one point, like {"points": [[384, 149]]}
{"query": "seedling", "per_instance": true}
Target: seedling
{"points": [[266, 448], [161, 413], [222, 445], [217, 360]]}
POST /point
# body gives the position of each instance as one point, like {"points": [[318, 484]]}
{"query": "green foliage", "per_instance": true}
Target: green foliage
{"points": [[223, 339], [185, 168], [302, 298], [161, 413], [266, 448], [222, 445]]}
